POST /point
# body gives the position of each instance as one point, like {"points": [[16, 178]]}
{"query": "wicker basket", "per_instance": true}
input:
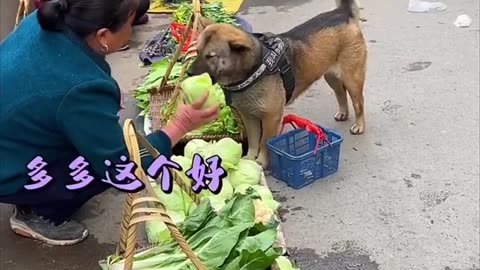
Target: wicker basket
{"points": [[135, 212], [138, 209], [169, 95]]}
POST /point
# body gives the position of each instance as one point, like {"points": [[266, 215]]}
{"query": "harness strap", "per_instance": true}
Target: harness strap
{"points": [[274, 60]]}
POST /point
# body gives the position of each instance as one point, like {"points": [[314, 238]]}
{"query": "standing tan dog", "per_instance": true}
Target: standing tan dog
{"points": [[262, 73]]}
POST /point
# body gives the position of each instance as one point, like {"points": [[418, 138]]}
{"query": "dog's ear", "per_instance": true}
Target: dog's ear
{"points": [[240, 43], [204, 22]]}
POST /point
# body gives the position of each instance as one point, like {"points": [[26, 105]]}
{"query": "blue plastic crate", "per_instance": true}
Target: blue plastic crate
{"points": [[292, 159]]}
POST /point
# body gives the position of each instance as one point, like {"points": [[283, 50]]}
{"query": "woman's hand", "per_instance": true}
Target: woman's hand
{"points": [[189, 118], [192, 117]]}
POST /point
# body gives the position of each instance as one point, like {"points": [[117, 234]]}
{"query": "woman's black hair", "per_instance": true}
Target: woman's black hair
{"points": [[85, 17]]}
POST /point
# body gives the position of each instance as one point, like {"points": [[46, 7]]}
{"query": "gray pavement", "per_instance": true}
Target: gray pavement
{"points": [[406, 196]]}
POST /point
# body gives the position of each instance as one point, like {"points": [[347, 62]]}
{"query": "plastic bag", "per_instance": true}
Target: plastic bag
{"points": [[463, 21], [418, 6]]}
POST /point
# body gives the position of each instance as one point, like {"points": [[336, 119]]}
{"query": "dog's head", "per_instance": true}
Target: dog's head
{"points": [[225, 52]]}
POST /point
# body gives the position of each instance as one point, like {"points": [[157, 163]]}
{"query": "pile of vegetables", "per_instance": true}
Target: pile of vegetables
{"points": [[214, 11], [226, 123], [152, 81], [243, 178], [195, 85], [158, 3], [228, 239], [233, 230]]}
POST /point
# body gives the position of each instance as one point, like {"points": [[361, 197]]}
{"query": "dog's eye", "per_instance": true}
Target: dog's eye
{"points": [[210, 55]]}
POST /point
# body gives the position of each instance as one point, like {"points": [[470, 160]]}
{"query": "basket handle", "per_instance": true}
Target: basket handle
{"points": [[22, 11], [196, 12], [155, 154], [129, 228]]}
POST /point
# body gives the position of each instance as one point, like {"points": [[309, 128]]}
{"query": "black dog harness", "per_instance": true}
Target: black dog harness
{"points": [[274, 59]]}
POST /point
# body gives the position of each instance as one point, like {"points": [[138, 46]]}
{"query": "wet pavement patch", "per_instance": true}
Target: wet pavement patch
{"points": [[282, 212], [390, 108], [417, 66], [431, 199], [341, 258], [408, 182], [82, 256], [416, 176], [280, 199]]}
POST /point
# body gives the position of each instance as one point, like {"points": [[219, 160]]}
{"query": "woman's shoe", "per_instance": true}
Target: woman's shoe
{"points": [[32, 226]]}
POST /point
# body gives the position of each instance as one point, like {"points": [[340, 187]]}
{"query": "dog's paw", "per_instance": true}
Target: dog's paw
{"points": [[341, 116], [263, 163], [357, 129], [250, 157]]}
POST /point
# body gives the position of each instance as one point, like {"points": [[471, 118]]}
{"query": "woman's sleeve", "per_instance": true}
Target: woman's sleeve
{"points": [[88, 117]]}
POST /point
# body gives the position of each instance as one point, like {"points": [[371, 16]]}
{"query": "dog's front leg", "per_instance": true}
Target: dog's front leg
{"points": [[254, 131], [270, 129]]}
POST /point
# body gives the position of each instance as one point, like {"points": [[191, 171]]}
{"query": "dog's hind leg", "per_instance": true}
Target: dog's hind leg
{"points": [[354, 82], [341, 93], [254, 131], [270, 128]]}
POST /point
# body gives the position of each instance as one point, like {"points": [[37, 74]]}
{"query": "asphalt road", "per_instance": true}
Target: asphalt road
{"points": [[406, 196]]}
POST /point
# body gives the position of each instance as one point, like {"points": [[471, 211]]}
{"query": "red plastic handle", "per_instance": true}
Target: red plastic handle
{"points": [[307, 125], [177, 30]]}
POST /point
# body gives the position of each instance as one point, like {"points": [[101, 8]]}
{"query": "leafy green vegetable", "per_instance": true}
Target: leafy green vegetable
{"points": [[262, 241], [153, 80], [222, 241], [214, 11], [239, 209], [157, 231], [283, 263], [225, 124], [201, 216], [258, 260], [264, 193]]}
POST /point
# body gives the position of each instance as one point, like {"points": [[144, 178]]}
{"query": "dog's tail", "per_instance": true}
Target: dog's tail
{"points": [[350, 6]]}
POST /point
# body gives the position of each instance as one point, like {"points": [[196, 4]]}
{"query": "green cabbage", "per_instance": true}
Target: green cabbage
{"points": [[229, 151], [264, 193], [186, 164], [177, 201], [247, 172], [217, 202], [226, 192], [157, 231], [195, 86], [195, 146], [178, 205]]}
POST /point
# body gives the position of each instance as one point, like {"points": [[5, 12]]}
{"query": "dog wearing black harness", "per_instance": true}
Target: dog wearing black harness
{"points": [[261, 73]]}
